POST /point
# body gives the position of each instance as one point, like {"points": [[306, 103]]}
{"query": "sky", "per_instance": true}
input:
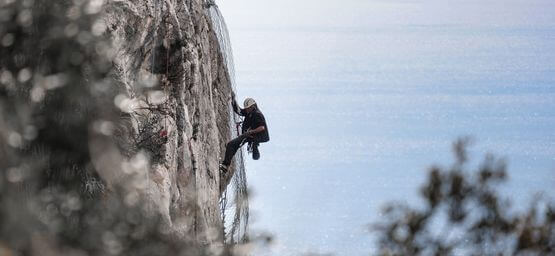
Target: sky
{"points": [[363, 13], [362, 97]]}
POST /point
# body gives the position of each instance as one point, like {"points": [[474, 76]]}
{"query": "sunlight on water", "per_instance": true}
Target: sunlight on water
{"points": [[358, 115]]}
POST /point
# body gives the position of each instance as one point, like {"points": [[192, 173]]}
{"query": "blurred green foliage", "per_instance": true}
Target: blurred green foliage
{"points": [[465, 214]]}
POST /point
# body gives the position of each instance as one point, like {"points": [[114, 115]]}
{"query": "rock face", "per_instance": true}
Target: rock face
{"points": [[176, 92], [113, 118]]}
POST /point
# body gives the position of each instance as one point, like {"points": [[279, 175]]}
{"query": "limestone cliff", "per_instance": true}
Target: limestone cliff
{"points": [[113, 118], [177, 91]]}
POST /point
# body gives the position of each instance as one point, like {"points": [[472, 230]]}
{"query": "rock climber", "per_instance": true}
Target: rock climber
{"points": [[253, 131]]}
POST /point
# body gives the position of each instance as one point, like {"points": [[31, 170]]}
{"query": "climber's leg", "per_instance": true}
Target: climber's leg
{"points": [[255, 152], [231, 148]]}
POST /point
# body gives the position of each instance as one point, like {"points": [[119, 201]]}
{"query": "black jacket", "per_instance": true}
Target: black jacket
{"points": [[252, 121]]}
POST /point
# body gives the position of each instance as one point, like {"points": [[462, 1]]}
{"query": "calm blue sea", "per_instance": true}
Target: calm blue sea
{"points": [[356, 116]]}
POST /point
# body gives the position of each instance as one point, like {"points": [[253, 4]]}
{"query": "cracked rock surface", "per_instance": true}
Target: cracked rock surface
{"points": [[175, 93]]}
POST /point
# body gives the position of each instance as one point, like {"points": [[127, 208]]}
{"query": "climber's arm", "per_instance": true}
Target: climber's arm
{"points": [[236, 107], [258, 129]]}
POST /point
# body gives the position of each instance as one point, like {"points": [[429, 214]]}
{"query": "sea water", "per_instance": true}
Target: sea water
{"points": [[357, 116]]}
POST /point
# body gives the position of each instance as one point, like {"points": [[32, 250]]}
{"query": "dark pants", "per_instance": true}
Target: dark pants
{"points": [[233, 145]]}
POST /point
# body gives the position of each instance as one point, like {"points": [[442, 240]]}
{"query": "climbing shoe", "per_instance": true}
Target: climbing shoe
{"points": [[255, 152], [223, 169]]}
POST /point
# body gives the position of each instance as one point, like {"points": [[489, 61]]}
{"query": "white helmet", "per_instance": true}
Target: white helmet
{"points": [[248, 102]]}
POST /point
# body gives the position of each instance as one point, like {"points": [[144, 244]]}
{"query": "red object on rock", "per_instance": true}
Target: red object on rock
{"points": [[163, 133]]}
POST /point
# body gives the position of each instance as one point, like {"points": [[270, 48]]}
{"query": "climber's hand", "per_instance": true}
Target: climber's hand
{"points": [[249, 134], [233, 101]]}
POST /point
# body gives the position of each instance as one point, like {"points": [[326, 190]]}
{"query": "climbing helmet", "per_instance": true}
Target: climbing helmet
{"points": [[248, 102]]}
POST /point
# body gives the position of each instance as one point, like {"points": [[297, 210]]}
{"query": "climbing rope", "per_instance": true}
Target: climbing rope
{"points": [[162, 132], [237, 126], [165, 86], [165, 107], [152, 52]]}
